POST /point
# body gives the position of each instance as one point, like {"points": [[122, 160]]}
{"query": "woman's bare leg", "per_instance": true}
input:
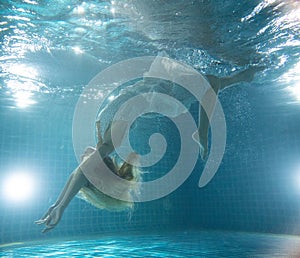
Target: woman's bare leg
{"points": [[218, 84], [244, 76], [201, 137], [203, 134]]}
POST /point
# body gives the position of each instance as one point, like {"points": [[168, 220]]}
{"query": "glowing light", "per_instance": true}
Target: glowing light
{"points": [[79, 10], [23, 99], [77, 50], [262, 5], [111, 98], [295, 178], [30, 2], [295, 91], [113, 10], [23, 83], [22, 70], [22, 92], [18, 186], [292, 77]]}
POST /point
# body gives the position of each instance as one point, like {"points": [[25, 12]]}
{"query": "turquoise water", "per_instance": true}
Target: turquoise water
{"points": [[51, 50], [174, 244]]}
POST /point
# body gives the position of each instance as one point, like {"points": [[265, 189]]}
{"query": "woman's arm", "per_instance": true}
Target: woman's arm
{"points": [[77, 179], [75, 182]]}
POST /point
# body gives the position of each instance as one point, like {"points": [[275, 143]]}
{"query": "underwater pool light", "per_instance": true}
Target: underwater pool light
{"points": [[18, 186]]}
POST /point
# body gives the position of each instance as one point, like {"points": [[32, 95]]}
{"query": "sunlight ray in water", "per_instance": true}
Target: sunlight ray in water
{"points": [[77, 50], [24, 85], [22, 92], [23, 99], [22, 70], [292, 79]]}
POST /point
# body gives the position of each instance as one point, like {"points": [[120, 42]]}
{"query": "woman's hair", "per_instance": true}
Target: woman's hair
{"points": [[124, 170]]}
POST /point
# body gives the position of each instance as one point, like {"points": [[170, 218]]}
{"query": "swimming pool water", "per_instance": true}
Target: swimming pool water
{"points": [[172, 244], [49, 52]]}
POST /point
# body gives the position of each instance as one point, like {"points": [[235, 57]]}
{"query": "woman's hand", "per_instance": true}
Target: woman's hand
{"points": [[51, 218]]}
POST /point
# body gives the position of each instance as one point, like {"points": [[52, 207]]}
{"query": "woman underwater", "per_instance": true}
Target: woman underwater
{"points": [[78, 181]]}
